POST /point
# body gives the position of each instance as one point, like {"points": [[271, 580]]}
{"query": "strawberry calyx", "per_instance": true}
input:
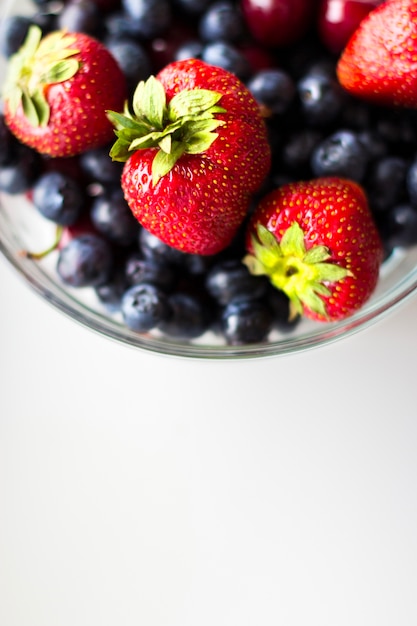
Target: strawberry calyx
{"points": [[303, 275], [184, 125], [38, 63]]}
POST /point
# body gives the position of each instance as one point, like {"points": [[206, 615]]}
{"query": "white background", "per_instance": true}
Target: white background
{"points": [[137, 489]]}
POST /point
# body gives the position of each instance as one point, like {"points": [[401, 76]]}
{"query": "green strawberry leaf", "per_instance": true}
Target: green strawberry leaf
{"points": [[29, 109], [119, 150], [317, 254], [200, 142], [166, 144], [164, 162], [304, 275], [60, 71], [292, 242], [149, 102], [42, 107], [192, 102], [39, 62], [183, 126]]}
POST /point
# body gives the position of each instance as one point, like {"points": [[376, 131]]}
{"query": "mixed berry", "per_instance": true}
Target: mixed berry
{"points": [[224, 166]]}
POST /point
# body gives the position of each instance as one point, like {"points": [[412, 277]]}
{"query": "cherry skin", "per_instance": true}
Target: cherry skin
{"points": [[338, 20], [275, 23]]}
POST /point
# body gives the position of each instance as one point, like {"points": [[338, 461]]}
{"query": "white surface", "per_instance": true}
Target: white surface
{"points": [[137, 489]]}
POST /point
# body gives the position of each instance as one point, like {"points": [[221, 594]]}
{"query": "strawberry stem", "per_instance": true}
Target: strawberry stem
{"points": [[304, 275], [184, 125]]}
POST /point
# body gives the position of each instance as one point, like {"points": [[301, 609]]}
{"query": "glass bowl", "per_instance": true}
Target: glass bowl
{"points": [[22, 228]]}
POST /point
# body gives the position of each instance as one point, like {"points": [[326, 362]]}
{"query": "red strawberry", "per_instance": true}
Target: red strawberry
{"points": [[57, 92], [378, 63], [196, 148], [317, 242]]}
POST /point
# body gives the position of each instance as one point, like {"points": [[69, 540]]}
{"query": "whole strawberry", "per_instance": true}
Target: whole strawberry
{"points": [[195, 148], [57, 91], [317, 241], [378, 63]]}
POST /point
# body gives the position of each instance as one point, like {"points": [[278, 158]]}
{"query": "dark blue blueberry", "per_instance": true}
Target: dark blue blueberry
{"points": [[246, 322], [98, 166], [321, 98], [153, 248], [193, 7], [411, 183], [189, 317], [402, 226], [132, 58], [228, 57], [340, 154], [230, 280], [120, 25], [386, 183], [152, 17], [139, 270], [87, 260], [13, 31], [279, 304], [8, 144], [111, 292], [222, 21], [144, 307], [297, 150], [398, 128], [373, 143], [19, 174], [82, 16], [192, 49], [112, 217], [273, 89], [59, 198]]}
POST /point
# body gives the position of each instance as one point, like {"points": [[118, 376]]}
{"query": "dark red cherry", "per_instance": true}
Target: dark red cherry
{"points": [[338, 20], [277, 23]]}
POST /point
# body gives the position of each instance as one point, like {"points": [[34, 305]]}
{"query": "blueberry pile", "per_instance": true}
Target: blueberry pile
{"points": [[315, 129]]}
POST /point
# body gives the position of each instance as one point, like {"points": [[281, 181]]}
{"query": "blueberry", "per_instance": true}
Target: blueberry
{"points": [[321, 98], [8, 144], [19, 174], [340, 154], [228, 57], [279, 304], [144, 307], [112, 217], [402, 225], [98, 165], [153, 248], [59, 198], [191, 49], [111, 292], [139, 270], [189, 316], [87, 260], [386, 183], [119, 25], [411, 183], [230, 280], [193, 7], [152, 17], [375, 146], [132, 58], [273, 89], [222, 21], [297, 150], [246, 322], [13, 31], [81, 16]]}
